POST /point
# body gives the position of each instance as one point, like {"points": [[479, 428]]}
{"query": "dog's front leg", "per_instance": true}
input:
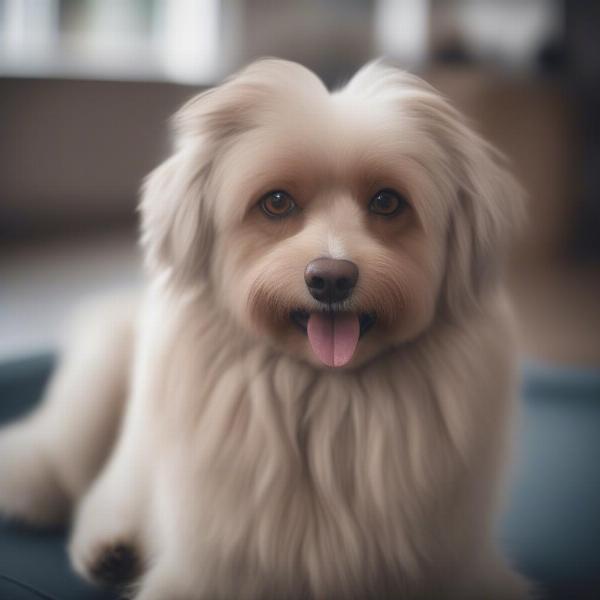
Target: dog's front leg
{"points": [[106, 542]]}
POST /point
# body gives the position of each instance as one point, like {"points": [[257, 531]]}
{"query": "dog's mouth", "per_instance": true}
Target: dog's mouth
{"points": [[333, 335]]}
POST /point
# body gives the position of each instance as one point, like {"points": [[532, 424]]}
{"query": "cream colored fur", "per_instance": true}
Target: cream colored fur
{"points": [[243, 469]]}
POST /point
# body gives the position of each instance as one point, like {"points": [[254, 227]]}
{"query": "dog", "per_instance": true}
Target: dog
{"points": [[314, 397]]}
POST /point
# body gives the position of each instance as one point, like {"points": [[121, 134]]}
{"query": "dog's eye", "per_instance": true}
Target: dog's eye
{"points": [[277, 204], [387, 203]]}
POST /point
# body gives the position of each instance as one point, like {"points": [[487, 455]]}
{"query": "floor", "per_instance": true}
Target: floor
{"points": [[41, 282]]}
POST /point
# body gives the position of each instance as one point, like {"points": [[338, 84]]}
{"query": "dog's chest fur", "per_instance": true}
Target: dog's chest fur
{"points": [[345, 483]]}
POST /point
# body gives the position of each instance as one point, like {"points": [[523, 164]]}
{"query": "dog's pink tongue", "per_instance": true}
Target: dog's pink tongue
{"points": [[333, 337]]}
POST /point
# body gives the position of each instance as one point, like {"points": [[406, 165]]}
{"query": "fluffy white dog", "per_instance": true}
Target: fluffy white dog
{"points": [[314, 398]]}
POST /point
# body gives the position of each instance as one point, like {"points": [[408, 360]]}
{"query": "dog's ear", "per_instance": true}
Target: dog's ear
{"points": [[486, 205], [487, 213], [177, 226]]}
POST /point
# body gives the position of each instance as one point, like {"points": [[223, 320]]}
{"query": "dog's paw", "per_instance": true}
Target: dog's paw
{"points": [[104, 545], [115, 563], [103, 550]]}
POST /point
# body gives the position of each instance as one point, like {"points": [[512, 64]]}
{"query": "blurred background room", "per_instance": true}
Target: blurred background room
{"points": [[86, 91]]}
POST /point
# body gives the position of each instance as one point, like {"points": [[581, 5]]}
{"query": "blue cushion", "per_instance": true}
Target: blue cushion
{"points": [[552, 526], [551, 529], [33, 563]]}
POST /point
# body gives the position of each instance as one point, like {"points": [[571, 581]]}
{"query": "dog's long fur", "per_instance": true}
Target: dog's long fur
{"points": [[243, 468]]}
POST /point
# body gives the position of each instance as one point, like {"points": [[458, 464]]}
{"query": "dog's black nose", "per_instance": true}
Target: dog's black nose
{"points": [[330, 280]]}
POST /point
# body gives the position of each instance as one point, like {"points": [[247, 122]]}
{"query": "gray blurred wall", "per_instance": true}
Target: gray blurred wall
{"points": [[74, 152]]}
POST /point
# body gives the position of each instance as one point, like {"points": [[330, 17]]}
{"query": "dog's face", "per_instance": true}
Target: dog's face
{"points": [[336, 225]]}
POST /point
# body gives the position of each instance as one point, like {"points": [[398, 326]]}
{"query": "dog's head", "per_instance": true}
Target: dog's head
{"points": [[338, 225]]}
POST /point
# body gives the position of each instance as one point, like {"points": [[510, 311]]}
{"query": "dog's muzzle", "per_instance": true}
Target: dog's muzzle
{"points": [[333, 334]]}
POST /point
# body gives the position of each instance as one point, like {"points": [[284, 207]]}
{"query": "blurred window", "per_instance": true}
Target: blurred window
{"points": [[114, 39]]}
